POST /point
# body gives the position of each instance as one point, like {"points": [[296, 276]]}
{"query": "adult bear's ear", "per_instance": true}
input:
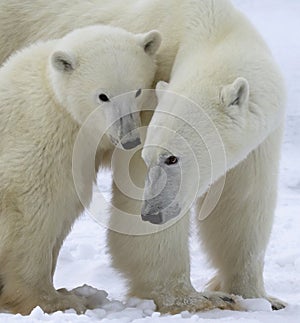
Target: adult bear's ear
{"points": [[63, 61], [236, 94], [161, 86], [150, 41]]}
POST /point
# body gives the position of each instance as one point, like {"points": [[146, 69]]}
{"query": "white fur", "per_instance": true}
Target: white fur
{"points": [[223, 58], [46, 93], [22, 23]]}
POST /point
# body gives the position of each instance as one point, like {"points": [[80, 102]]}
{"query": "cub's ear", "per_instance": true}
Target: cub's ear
{"points": [[236, 93], [150, 41], [161, 86], [63, 61]]}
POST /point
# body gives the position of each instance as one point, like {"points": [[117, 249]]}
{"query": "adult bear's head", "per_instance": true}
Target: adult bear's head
{"points": [[184, 151], [105, 67]]}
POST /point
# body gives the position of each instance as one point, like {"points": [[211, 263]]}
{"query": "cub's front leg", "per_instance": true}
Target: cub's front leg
{"points": [[26, 257]]}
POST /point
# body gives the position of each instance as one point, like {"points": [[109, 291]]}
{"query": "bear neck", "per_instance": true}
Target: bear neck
{"points": [[208, 20]]}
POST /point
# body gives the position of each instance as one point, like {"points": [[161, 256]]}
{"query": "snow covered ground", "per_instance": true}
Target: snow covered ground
{"points": [[83, 258]]}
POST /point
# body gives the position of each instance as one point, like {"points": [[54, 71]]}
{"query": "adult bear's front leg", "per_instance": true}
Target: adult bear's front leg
{"points": [[235, 235], [156, 264]]}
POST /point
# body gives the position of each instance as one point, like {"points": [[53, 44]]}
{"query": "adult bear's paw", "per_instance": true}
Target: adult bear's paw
{"points": [[199, 302], [276, 303]]}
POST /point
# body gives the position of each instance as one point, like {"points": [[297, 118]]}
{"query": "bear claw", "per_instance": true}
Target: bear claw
{"points": [[199, 302], [227, 299]]}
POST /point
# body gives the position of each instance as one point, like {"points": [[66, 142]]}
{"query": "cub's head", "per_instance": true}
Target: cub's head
{"points": [[107, 68]]}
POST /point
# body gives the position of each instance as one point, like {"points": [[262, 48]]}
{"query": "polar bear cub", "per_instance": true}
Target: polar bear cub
{"points": [[47, 91]]}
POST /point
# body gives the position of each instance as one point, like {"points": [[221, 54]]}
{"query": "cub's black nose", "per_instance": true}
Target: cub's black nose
{"points": [[154, 219], [131, 144]]}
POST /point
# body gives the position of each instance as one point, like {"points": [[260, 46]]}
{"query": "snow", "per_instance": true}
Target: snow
{"points": [[84, 259]]}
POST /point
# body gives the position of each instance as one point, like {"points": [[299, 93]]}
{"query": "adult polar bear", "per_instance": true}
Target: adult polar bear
{"points": [[24, 22], [232, 126], [157, 266], [46, 93]]}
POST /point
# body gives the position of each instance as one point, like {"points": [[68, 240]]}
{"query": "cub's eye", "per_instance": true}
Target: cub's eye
{"points": [[172, 160], [103, 97], [236, 101], [138, 93]]}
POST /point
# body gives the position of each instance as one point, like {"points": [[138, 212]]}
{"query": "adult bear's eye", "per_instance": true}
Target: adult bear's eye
{"points": [[172, 160], [103, 97], [138, 93]]}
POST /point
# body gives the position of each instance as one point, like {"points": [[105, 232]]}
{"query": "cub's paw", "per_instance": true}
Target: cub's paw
{"points": [[199, 302], [92, 297], [64, 301]]}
